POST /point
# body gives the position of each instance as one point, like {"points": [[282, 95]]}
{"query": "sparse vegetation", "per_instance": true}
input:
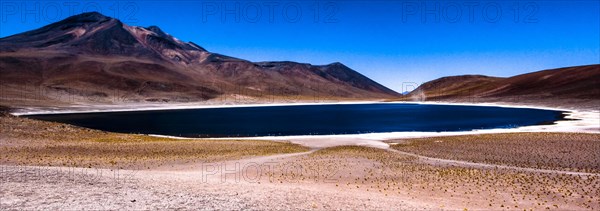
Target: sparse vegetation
{"points": [[377, 171], [555, 151], [31, 142]]}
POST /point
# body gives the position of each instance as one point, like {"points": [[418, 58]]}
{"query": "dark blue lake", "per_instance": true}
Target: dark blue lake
{"points": [[308, 119]]}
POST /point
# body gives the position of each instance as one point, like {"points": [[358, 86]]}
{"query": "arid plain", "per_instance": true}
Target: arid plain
{"points": [[51, 165]]}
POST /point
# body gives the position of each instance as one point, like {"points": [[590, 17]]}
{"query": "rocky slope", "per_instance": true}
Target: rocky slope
{"points": [[94, 58]]}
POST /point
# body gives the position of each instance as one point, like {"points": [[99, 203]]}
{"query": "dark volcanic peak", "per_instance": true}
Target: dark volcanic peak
{"points": [[85, 20], [88, 20], [94, 33], [92, 54], [341, 72], [336, 64], [335, 72], [88, 17], [76, 26]]}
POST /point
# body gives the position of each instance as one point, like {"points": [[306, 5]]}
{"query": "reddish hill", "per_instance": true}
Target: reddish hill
{"points": [[581, 82]]}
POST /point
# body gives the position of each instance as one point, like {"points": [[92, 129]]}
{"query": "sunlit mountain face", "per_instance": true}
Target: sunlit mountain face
{"points": [[94, 55]]}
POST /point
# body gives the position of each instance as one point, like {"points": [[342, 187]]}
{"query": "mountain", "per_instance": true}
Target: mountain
{"points": [[92, 57], [570, 83]]}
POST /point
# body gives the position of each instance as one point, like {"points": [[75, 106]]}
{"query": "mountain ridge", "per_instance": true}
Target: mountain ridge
{"points": [[92, 54]]}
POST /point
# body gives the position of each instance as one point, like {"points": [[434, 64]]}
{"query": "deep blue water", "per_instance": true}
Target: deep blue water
{"points": [[308, 119]]}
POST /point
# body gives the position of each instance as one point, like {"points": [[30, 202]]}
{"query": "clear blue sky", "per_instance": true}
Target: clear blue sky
{"points": [[392, 42]]}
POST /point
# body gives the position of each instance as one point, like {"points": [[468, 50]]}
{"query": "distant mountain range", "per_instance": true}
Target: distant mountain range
{"points": [[93, 58], [570, 83], [97, 57]]}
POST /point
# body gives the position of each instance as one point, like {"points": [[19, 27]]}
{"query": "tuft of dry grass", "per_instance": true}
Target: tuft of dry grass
{"points": [[555, 151]]}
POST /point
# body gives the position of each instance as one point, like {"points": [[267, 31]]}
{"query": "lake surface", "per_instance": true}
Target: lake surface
{"points": [[308, 119]]}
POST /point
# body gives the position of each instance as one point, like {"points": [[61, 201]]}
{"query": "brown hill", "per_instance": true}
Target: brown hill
{"points": [[91, 57], [578, 83]]}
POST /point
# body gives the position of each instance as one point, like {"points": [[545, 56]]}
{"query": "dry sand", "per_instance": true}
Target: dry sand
{"points": [[79, 188]]}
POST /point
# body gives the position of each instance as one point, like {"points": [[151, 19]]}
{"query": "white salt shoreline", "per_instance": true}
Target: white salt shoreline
{"points": [[586, 122], [180, 106], [157, 107]]}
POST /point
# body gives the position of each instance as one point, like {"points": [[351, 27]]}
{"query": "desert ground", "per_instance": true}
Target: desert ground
{"points": [[46, 165]]}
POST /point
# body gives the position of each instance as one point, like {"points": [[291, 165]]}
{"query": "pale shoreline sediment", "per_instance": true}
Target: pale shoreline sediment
{"points": [[579, 121]]}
